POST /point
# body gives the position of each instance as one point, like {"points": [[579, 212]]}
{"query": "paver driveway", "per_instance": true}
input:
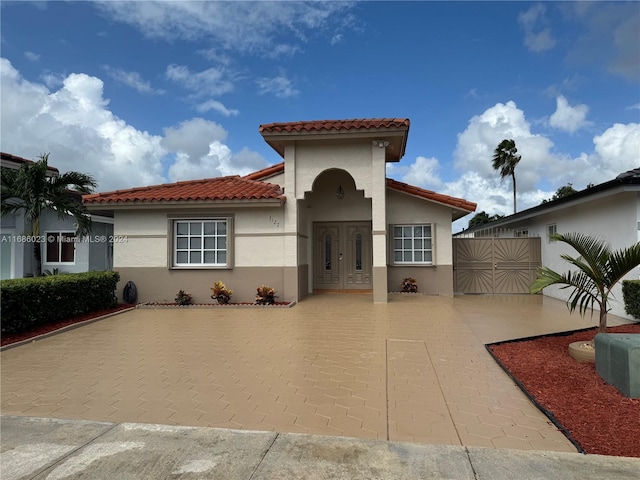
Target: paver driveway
{"points": [[414, 369]]}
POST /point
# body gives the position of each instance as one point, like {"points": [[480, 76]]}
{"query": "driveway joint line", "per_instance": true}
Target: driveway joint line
{"points": [[444, 398], [268, 449], [386, 380], [64, 457], [466, 451]]}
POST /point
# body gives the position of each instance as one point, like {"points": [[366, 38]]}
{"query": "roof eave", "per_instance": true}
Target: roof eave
{"points": [[397, 135], [129, 205], [598, 191]]}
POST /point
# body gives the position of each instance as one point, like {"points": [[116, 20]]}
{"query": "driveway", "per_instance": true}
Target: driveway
{"points": [[414, 369]]}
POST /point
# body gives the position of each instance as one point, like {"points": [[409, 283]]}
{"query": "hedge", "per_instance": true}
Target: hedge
{"points": [[30, 302], [631, 295]]}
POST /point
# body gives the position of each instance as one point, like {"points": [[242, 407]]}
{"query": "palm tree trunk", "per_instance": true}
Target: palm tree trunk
{"points": [[513, 175], [602, 328], [37, 249], [37, 257]]}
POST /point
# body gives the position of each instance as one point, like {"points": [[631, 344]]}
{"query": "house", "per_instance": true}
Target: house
{"points": [[60, 250], [325, 218], [609, 211]]}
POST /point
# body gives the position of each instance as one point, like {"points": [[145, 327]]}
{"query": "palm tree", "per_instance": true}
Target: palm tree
{"points": [[599, 270], [29, 188], [505, 159]]}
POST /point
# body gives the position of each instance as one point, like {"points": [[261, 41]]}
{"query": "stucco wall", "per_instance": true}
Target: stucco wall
{"points": [[402, 208], [436, 279], [613, 219]]}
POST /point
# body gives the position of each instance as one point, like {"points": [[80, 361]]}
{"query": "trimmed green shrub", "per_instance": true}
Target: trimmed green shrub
{"points": [[631, 295], [30, 302]]}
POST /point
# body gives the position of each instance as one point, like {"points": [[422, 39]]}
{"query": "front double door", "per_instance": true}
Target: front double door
{"points": [[343, 256]]}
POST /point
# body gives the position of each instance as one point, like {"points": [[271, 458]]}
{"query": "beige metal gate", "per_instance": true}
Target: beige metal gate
{"points": [[495, 265]]}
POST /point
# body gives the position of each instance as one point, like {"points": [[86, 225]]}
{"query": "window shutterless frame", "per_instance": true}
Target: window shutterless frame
{"points": [[200, 242], [60, 248], [412, 244]]}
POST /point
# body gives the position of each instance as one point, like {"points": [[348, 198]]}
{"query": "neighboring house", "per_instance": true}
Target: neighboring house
{"points": [[609, 211], [324, 219], [16, 260]]}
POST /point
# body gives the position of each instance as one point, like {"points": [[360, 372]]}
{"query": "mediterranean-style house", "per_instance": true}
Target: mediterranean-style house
{"points": [[609, 211], [326, 218], [16, 259]]}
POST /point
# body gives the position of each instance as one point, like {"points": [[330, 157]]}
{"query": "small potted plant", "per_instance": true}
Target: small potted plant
{"points": [[221, 293], [409, 285], [266, 295], [183, 298]]}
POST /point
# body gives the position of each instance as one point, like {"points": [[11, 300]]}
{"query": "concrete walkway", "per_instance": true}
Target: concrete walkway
{"points": [[37, 448]]}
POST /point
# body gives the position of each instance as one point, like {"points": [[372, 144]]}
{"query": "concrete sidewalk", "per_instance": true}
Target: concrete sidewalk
{"points": [[38, 448]]}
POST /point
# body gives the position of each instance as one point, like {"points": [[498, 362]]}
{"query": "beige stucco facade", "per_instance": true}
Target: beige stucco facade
{"points": [[333, 231]]}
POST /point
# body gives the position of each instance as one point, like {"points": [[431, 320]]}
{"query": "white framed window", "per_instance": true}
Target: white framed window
{"points": [[60, 248], [412, 244], [201, 242], [551, 230]]}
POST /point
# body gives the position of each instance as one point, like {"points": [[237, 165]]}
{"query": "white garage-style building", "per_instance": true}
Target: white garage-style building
{"points": [[326, 218]]}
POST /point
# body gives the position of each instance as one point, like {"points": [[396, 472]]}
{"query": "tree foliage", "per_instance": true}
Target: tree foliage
{"points": [[32, 190], [483, 217], [505, 159], [562, 192], [598, 270]]}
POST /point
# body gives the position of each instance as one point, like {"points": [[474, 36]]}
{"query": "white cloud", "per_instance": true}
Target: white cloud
{"points": [[477, 143], [248, 27], [193, 137], [212, 81], [34, 57], [609, 38], [279, 86], [568, 118], [217, 106], [74, 125], [539, 173], [219, 161], [537, 34], [132, 79], [200, 152], [423, 172], [633, 107], [337, 38], [616, 149]]}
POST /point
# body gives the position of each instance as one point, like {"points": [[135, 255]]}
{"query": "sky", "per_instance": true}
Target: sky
{"points": [[140, 93]]}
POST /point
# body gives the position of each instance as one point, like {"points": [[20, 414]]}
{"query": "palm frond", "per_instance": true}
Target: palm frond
{"points": [[620, 263]]}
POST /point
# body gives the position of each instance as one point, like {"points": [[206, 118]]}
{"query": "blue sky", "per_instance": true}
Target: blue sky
{"points": [[139, 93]]}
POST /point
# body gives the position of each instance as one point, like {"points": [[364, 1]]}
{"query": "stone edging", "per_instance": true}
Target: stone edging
{"points": [[158, 306], [63, 329]]}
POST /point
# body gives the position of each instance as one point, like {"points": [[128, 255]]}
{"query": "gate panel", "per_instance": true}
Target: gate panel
{"points": [[473, 265], [495, 265]]}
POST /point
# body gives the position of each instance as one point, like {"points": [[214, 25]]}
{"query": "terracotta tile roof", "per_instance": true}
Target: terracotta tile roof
{"points": [[460, 203], [209, 189], [320, 125], [15, 159], [266, 172]]}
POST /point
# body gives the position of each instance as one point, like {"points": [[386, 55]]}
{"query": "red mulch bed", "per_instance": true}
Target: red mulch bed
{"points": [[594, 414], [50, 327]]}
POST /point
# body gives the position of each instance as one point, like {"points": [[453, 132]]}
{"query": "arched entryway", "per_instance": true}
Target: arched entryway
{"points": [[341, 243]]}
